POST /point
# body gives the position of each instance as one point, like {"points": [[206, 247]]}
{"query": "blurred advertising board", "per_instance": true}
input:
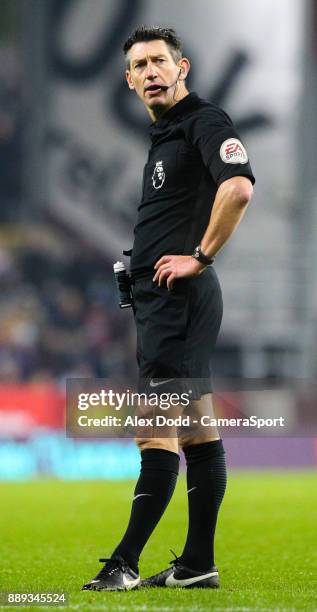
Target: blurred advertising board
{"points": [[33, 440], [26, 407]]}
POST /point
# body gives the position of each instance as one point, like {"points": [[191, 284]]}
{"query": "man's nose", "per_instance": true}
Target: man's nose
{"points": [[150, 71]]}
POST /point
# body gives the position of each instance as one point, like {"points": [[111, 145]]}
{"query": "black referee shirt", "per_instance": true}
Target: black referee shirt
{"points": [[195, 147]]}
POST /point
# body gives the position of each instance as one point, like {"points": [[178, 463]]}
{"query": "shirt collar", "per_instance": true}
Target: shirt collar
{"points": [[185, 104]]}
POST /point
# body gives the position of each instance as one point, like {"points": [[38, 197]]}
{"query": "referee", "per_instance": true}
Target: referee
{"points": [[197, 184]]}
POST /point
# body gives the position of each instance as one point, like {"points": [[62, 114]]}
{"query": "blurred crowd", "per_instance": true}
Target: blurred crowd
{"points": [[59, 317]]}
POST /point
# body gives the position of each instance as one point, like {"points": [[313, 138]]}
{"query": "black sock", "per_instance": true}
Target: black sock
{"points": [[206, 485], [153, 491]]}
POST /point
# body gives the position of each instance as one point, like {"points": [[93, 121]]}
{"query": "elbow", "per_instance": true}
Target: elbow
{"points": [[242, 193], [238, 190]]}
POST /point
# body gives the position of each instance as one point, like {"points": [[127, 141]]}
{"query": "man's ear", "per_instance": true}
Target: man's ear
{"points": [[129, 79], [184, 66]]}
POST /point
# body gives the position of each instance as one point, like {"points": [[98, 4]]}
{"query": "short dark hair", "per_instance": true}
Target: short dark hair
{"points": [[145, 33]]}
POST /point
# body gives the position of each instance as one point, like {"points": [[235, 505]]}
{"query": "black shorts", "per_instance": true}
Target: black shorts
{"points": [[177, 330]]}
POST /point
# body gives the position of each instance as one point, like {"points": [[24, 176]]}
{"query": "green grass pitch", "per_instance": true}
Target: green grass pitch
{"points": [[52, 534]]}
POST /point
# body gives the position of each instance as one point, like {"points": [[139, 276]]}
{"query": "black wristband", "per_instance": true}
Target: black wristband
{"points": [[199, 255]]}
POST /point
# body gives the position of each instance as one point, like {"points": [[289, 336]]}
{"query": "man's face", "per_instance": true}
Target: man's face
{"points": [[152, 65]]}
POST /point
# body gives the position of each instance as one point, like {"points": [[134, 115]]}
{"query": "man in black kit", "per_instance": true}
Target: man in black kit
{"points": [[197, 184]]}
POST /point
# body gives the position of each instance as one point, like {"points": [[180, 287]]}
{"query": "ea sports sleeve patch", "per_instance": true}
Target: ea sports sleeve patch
{"points": [[232, 151], [220, 146]]}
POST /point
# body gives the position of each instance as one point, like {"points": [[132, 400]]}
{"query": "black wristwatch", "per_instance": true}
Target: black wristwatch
{"points": [[199, 255]]}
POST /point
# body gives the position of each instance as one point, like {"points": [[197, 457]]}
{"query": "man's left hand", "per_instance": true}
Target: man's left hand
{"points": [[170, 267]]}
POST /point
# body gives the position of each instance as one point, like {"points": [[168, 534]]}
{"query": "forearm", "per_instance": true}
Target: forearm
{"points": [[229, 207]]}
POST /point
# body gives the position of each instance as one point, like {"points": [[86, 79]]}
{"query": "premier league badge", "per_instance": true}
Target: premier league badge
{"points": [[158, 176]]}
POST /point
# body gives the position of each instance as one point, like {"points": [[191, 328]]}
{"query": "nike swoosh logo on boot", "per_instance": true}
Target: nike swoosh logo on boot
{"points": [[171, 581], [129, 584]]}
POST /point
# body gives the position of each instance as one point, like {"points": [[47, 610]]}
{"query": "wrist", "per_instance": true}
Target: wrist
{"points": [[201, 257], [198, 266]]}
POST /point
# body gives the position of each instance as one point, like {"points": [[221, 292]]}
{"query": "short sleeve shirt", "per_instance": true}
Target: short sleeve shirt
{"points": [[195, 147]]}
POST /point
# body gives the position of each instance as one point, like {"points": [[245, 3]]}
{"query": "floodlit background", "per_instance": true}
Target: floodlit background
{"points": [[73, 141]]}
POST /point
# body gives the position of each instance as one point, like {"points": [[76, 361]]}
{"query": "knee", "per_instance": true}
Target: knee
{"points": [[188, 440], [170, 444]]}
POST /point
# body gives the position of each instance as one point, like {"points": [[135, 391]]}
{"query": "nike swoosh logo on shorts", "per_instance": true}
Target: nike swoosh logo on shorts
{"points": [[161, 382], [171, 581], [192, 489]]}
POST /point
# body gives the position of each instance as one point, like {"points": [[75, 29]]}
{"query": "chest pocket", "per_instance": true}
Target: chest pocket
{"points": [[189, 165]]}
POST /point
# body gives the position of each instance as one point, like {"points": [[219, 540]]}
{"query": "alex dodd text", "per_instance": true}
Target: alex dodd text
{"points": [[180, 421]]}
